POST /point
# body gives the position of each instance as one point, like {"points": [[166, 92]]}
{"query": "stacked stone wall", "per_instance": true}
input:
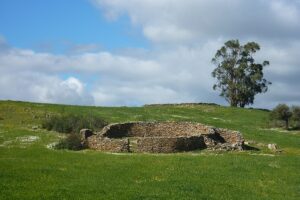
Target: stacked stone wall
{"points": [[108, 144], [155, 129], [234, 138], [169, 145], [163, 137]]}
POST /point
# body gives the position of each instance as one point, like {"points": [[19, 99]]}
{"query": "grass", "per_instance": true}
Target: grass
{"points": [[29, 170]]}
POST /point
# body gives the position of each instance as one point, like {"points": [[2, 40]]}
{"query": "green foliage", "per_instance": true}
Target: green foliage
{"points": [[71, 142], [282, 112], [296, 116], [31, 171], [296, 113], [71, 123], [239, 78]]}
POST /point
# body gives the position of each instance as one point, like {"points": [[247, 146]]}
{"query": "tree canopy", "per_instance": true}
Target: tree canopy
{"points": [[239, 77], [282, 112]]}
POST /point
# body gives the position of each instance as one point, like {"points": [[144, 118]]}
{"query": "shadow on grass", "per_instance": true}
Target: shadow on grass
{"points": [[247, 147], [296, 128]]}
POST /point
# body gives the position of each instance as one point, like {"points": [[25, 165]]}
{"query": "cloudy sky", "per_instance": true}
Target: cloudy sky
{"points": [[135, 52]]}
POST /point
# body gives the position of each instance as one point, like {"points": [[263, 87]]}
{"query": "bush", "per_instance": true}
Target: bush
{"points": [[71, 142], [283, 114], [296, 116], [73, 123]]}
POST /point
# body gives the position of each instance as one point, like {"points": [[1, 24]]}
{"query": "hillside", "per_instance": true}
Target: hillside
{"points": [[30, 170]]}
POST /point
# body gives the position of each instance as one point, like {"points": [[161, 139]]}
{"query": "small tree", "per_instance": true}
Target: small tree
{"points": [[296, 115], [282, 112], [239, 78]]}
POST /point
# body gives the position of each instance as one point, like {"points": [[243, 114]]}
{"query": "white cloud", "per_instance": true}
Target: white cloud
{"points": [[285, 12], [181, 74], [185, 36], [167, 34], [73, 84], [165, 76], [37, 87], [174, 20], [132, 94]]}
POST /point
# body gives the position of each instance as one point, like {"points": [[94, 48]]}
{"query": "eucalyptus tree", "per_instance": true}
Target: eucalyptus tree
{"points": [[239, 77]]}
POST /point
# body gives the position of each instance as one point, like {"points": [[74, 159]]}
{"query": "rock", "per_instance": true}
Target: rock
{"points": [[227, 147], [85, 133], [272, 146], [249, 142]]}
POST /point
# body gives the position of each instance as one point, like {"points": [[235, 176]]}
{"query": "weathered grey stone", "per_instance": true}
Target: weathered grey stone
{"points": [[272, 146], [108, 144]]}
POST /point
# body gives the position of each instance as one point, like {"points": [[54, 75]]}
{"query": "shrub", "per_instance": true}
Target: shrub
{"points": [[281, 112], [296, 116], [73, 123], [71, 142]]}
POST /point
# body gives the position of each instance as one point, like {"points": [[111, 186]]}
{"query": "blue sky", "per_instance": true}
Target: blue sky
{"points": [[135, 52], [55, 25]]}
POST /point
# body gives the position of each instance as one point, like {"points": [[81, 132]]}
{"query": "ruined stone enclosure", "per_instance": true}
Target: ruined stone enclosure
{"points": [[163, 137]]}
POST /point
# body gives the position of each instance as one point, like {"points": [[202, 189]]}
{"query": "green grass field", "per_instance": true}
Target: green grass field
{"points": [[30, 170]]}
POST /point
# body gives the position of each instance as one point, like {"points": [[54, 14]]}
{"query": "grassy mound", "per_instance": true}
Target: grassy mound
{"points": [[30, 170]]}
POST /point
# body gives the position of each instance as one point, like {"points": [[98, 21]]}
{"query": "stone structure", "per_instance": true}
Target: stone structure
{"points": [[85, 133], [163, 137]]}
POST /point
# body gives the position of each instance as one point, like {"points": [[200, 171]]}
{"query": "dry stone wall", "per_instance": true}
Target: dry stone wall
{"points": [[108, 144], [167, 144], [163, 137], [233, 138], [155, 129]]}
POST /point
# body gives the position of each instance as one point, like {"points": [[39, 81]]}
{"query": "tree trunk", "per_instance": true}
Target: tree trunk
{"points": [[286, 124], [232, 90], [233, 103], [241, 104]]}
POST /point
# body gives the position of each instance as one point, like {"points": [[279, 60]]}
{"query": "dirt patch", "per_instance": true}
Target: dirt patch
{"points": [[28, 139]]}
